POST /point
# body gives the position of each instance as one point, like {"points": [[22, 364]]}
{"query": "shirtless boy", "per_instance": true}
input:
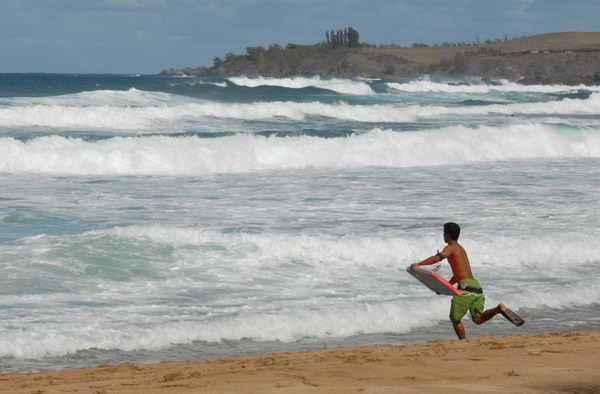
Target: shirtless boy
{"points": [[472, 298]]}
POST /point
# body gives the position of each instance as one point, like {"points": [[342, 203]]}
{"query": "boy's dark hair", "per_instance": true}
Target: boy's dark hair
{"points": [[453, 230]]}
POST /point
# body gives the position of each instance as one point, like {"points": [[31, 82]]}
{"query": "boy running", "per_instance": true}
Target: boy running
{"points": [[472, 298]]}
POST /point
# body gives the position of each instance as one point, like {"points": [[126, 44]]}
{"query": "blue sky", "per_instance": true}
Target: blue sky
{"points": [[147, 36]]}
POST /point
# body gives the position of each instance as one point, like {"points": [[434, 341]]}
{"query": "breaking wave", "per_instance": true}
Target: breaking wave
{"points": [[190, 156]]}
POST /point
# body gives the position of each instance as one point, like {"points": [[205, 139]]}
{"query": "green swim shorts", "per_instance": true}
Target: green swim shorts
{"points": [[471, 300]]}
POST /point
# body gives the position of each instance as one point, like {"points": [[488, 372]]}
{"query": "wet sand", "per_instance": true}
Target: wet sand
{"points": [[546, 363]]}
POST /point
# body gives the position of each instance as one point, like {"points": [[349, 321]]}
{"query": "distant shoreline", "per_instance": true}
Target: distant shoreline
{"points": [[554, 58]]}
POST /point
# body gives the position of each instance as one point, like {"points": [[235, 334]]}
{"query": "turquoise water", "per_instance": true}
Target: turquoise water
{"points": [[148, 218]]}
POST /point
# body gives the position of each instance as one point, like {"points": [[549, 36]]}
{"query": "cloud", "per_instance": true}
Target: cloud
{"points": [[522, 9], [121, 4], [215, 8]]}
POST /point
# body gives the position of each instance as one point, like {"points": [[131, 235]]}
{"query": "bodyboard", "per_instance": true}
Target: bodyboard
{"points": [[433, 281]]}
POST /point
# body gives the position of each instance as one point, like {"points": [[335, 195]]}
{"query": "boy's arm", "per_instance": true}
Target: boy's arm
{"points": [[436, 258]]}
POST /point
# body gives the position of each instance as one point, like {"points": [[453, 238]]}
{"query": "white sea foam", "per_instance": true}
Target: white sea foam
{"points": [[188, 156], [343, 319], [301, 286], [376, 252], [250, 254], [344, 86], [51, 340]]}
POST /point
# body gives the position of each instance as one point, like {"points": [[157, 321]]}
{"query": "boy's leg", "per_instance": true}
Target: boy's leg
{"points": [[481, 318], [459, 329], [458, 309]]}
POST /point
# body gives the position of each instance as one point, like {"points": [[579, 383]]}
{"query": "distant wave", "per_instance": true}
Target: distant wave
{"points": [[110, 110], [428, 86], [195, 82], [344, 86], [184, 156], [566, 106], [148, 118], [97, 98]]}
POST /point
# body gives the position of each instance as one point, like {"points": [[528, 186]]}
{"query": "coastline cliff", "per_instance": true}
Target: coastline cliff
{"points": [[554, 58]]}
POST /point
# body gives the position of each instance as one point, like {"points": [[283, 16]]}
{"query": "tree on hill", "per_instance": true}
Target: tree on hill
{"points": [[343, 38]]}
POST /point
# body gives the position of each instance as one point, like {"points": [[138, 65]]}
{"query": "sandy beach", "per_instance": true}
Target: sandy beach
{"points": [[546, 363]]}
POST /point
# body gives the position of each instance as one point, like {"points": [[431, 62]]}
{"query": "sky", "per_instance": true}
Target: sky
{"points": [[147, 36]]}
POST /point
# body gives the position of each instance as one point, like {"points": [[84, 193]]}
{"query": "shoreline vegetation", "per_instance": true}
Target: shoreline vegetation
{"points": [[545, 363], [570, 58]]}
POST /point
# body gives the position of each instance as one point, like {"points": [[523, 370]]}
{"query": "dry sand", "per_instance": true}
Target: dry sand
{"points": [[547, 363]]}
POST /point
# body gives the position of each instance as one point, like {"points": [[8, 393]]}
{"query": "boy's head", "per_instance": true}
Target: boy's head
{"points": [[453, 230]]}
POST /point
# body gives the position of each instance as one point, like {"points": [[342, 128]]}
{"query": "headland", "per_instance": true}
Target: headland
{"points": [[570, 58]]}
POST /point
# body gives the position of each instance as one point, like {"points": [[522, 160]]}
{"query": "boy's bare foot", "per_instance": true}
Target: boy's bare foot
{"points": [[510, 315]]}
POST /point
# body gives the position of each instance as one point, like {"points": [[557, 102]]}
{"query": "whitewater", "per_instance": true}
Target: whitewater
{"points": [[151, 218]]}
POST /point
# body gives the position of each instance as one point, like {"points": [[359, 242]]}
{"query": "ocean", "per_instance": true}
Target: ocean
{"points": [[146, 218]]}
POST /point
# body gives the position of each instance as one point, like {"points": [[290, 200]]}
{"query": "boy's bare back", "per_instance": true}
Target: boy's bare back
{"points": [[457, 257]]}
